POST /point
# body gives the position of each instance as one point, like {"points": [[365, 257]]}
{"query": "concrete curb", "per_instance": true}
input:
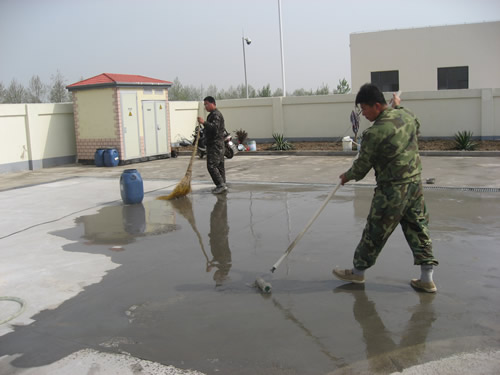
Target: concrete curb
{"points": [[353, 153], [459, 153]]}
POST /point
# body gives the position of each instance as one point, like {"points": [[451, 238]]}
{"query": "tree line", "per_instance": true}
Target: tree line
{"points": [[56, 92], [180, 92], [36, 91]]}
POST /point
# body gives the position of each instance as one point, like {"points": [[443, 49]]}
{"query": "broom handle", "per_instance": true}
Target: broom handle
{"points": [[297, 239], [195, 148]]}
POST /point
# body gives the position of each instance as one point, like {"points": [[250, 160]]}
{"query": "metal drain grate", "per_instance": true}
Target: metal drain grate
{"points": [[363, 185], [456, 188], [465, 188]]}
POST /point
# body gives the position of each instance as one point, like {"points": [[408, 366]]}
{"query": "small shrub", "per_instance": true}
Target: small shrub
{"points": [[241, 135], [463, 141], [280, 144]]}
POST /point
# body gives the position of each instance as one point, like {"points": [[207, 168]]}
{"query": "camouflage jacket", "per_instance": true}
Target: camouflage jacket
{"points": [[390, 147], [214, 130]]}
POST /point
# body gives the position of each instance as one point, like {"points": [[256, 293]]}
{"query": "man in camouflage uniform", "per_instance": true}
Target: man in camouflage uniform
{"points": [[214, 136], [390, 146]]}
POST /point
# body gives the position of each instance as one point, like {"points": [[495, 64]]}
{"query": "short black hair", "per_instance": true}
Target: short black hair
{"points": [[209, 99], [369, 94]]}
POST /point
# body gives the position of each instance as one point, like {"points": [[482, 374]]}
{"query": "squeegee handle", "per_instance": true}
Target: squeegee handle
{"points": [[297, 239]]}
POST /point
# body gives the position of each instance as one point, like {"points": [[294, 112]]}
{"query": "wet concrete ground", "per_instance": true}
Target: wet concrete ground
{"points": [[178, 289]]}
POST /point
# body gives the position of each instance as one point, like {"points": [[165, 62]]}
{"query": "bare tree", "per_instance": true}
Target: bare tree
{"points": [[15, 93], [58, 92], [2, 93], [186, 93], [37, 90], [211, 90], [174, 91]]}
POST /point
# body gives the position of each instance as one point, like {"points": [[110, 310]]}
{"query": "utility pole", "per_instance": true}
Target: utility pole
{"points": [[248, 41], [282, 55]]}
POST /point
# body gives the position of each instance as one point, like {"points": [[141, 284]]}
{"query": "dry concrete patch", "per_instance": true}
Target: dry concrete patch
{"points": [[478, 363], [91, 362]]}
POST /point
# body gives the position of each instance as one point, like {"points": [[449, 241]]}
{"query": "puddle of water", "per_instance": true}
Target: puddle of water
{"points": [[183, 294], [122, 224]]}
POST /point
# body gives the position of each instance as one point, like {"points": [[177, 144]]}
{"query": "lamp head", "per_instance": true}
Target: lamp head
{"points": [[248, 40]]}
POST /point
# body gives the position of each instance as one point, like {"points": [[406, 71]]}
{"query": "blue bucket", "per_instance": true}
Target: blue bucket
{"points": [[99, 157], [131, 186], [111, 157]]}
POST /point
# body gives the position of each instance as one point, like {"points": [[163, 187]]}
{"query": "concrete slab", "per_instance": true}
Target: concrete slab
{"points": [[171, 283]]}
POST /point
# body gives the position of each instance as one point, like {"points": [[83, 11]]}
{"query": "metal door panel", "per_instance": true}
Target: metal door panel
{"points": [[161, 126], [149, 124], [130, 123]]}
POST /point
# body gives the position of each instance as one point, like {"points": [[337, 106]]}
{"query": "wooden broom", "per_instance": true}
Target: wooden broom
{"points": [[183, 188]]}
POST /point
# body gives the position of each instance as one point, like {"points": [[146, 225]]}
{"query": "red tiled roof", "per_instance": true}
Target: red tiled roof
{"points": [[110, 79]]}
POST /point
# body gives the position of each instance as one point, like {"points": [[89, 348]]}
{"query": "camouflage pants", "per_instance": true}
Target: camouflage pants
{"points": [[392, 205], [215, 164]]}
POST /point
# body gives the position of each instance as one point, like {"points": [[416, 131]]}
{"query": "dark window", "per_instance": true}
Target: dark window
{"points": [[386, 81], [453, 78]]}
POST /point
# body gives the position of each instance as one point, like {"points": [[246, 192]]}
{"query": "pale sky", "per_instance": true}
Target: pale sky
{"points": [[200, 41]]}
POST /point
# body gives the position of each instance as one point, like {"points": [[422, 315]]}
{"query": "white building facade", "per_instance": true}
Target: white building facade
{"points": [[463, 56]]}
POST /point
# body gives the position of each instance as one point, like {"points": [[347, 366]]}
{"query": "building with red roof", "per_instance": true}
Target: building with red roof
{"points": [[125, 112], [117, 80]]}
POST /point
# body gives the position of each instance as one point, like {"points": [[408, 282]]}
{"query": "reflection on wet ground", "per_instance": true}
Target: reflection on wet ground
{"points": [[183, 296]]}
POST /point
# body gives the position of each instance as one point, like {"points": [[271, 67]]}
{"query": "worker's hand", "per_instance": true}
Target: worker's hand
{"points": [[343, 179], [200, 120], [396, 100]]}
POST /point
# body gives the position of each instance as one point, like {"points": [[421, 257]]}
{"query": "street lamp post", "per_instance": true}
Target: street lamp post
{"points": [[247, 41], [281, 47]]}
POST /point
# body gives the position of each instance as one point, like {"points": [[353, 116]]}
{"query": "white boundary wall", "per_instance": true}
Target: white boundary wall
{"points": [[441, 113], [34, 136]]}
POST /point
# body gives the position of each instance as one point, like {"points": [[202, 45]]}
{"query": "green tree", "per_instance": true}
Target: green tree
{"points": [[302, 92], [15, 93], [237, 92], [58, 92], [230, 93], [265, 92], [323, 90], [342, 87], [242, 91], [278, 92]]}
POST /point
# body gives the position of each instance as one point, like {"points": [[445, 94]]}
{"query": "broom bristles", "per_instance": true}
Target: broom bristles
{"points": [[183, 188]]}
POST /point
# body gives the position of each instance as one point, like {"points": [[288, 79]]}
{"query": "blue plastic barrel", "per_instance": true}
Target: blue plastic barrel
{"points": [[131, 186], [111, 157], [99, 157]]}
